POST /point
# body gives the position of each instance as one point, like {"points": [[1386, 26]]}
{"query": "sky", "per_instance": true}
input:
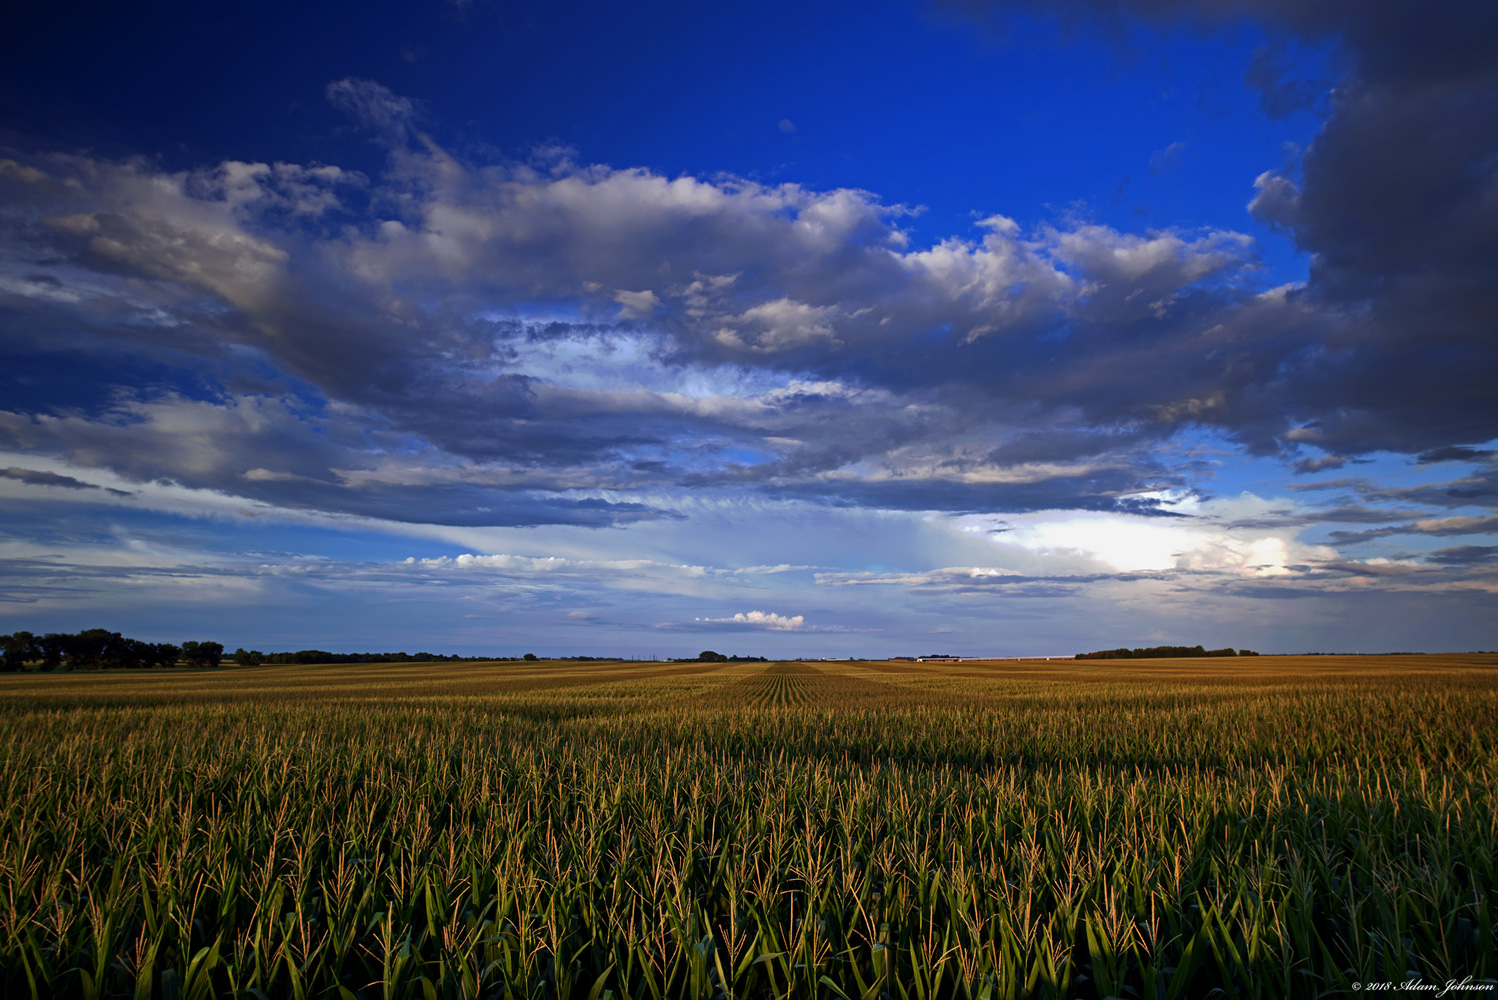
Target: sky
{"points": [[822, 329]]}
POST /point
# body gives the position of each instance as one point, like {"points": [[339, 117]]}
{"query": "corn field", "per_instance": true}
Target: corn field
{"points": [[1154, 829]]}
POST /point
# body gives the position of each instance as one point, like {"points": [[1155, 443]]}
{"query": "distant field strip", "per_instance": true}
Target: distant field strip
{"points": [[1270, 827]]}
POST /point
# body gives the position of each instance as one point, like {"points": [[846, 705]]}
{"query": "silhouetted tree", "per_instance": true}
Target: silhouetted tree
{"points": [[1154, 652], [17, 649], [54, 646], [90, 647], [202, 654], [131, 654]]}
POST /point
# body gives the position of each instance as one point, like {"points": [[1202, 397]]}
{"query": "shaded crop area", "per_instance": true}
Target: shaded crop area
{"points": [[1163, 829]]}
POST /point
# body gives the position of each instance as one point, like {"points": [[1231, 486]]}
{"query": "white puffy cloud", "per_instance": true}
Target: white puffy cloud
{"points": [[777, 326], [762, 619], [1128, 275], [1277, 199], [637, 305]]}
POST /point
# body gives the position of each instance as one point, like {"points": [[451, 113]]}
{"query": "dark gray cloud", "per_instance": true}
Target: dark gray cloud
{"points": [[1434, 527], [37, 477], [1107, 489], [970, 580], [1394, 202], [1309, 465], [1456, 453], [1464, 555], [1341, 514], [1354, 568], [279, 453], [1480, 489], [468, 505]]}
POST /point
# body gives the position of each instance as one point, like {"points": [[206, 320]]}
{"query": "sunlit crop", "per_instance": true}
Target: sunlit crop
{"points": [[1279, 827]]}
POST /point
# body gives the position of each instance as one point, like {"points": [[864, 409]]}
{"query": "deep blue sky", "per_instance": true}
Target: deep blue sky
{"points": [[805, 328], [918, 105]]}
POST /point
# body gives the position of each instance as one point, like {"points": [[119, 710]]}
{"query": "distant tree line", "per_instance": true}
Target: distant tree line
{"points": [[254, 657], [100, 649], [1161, 652], [709, 656]]}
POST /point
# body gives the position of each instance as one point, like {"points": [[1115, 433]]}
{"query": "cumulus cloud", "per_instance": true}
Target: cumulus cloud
{"points": [[780, 338], [777, 326], [1394, 202], [637, 305], [223, 261], [760, 620], [1277, 201]]}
